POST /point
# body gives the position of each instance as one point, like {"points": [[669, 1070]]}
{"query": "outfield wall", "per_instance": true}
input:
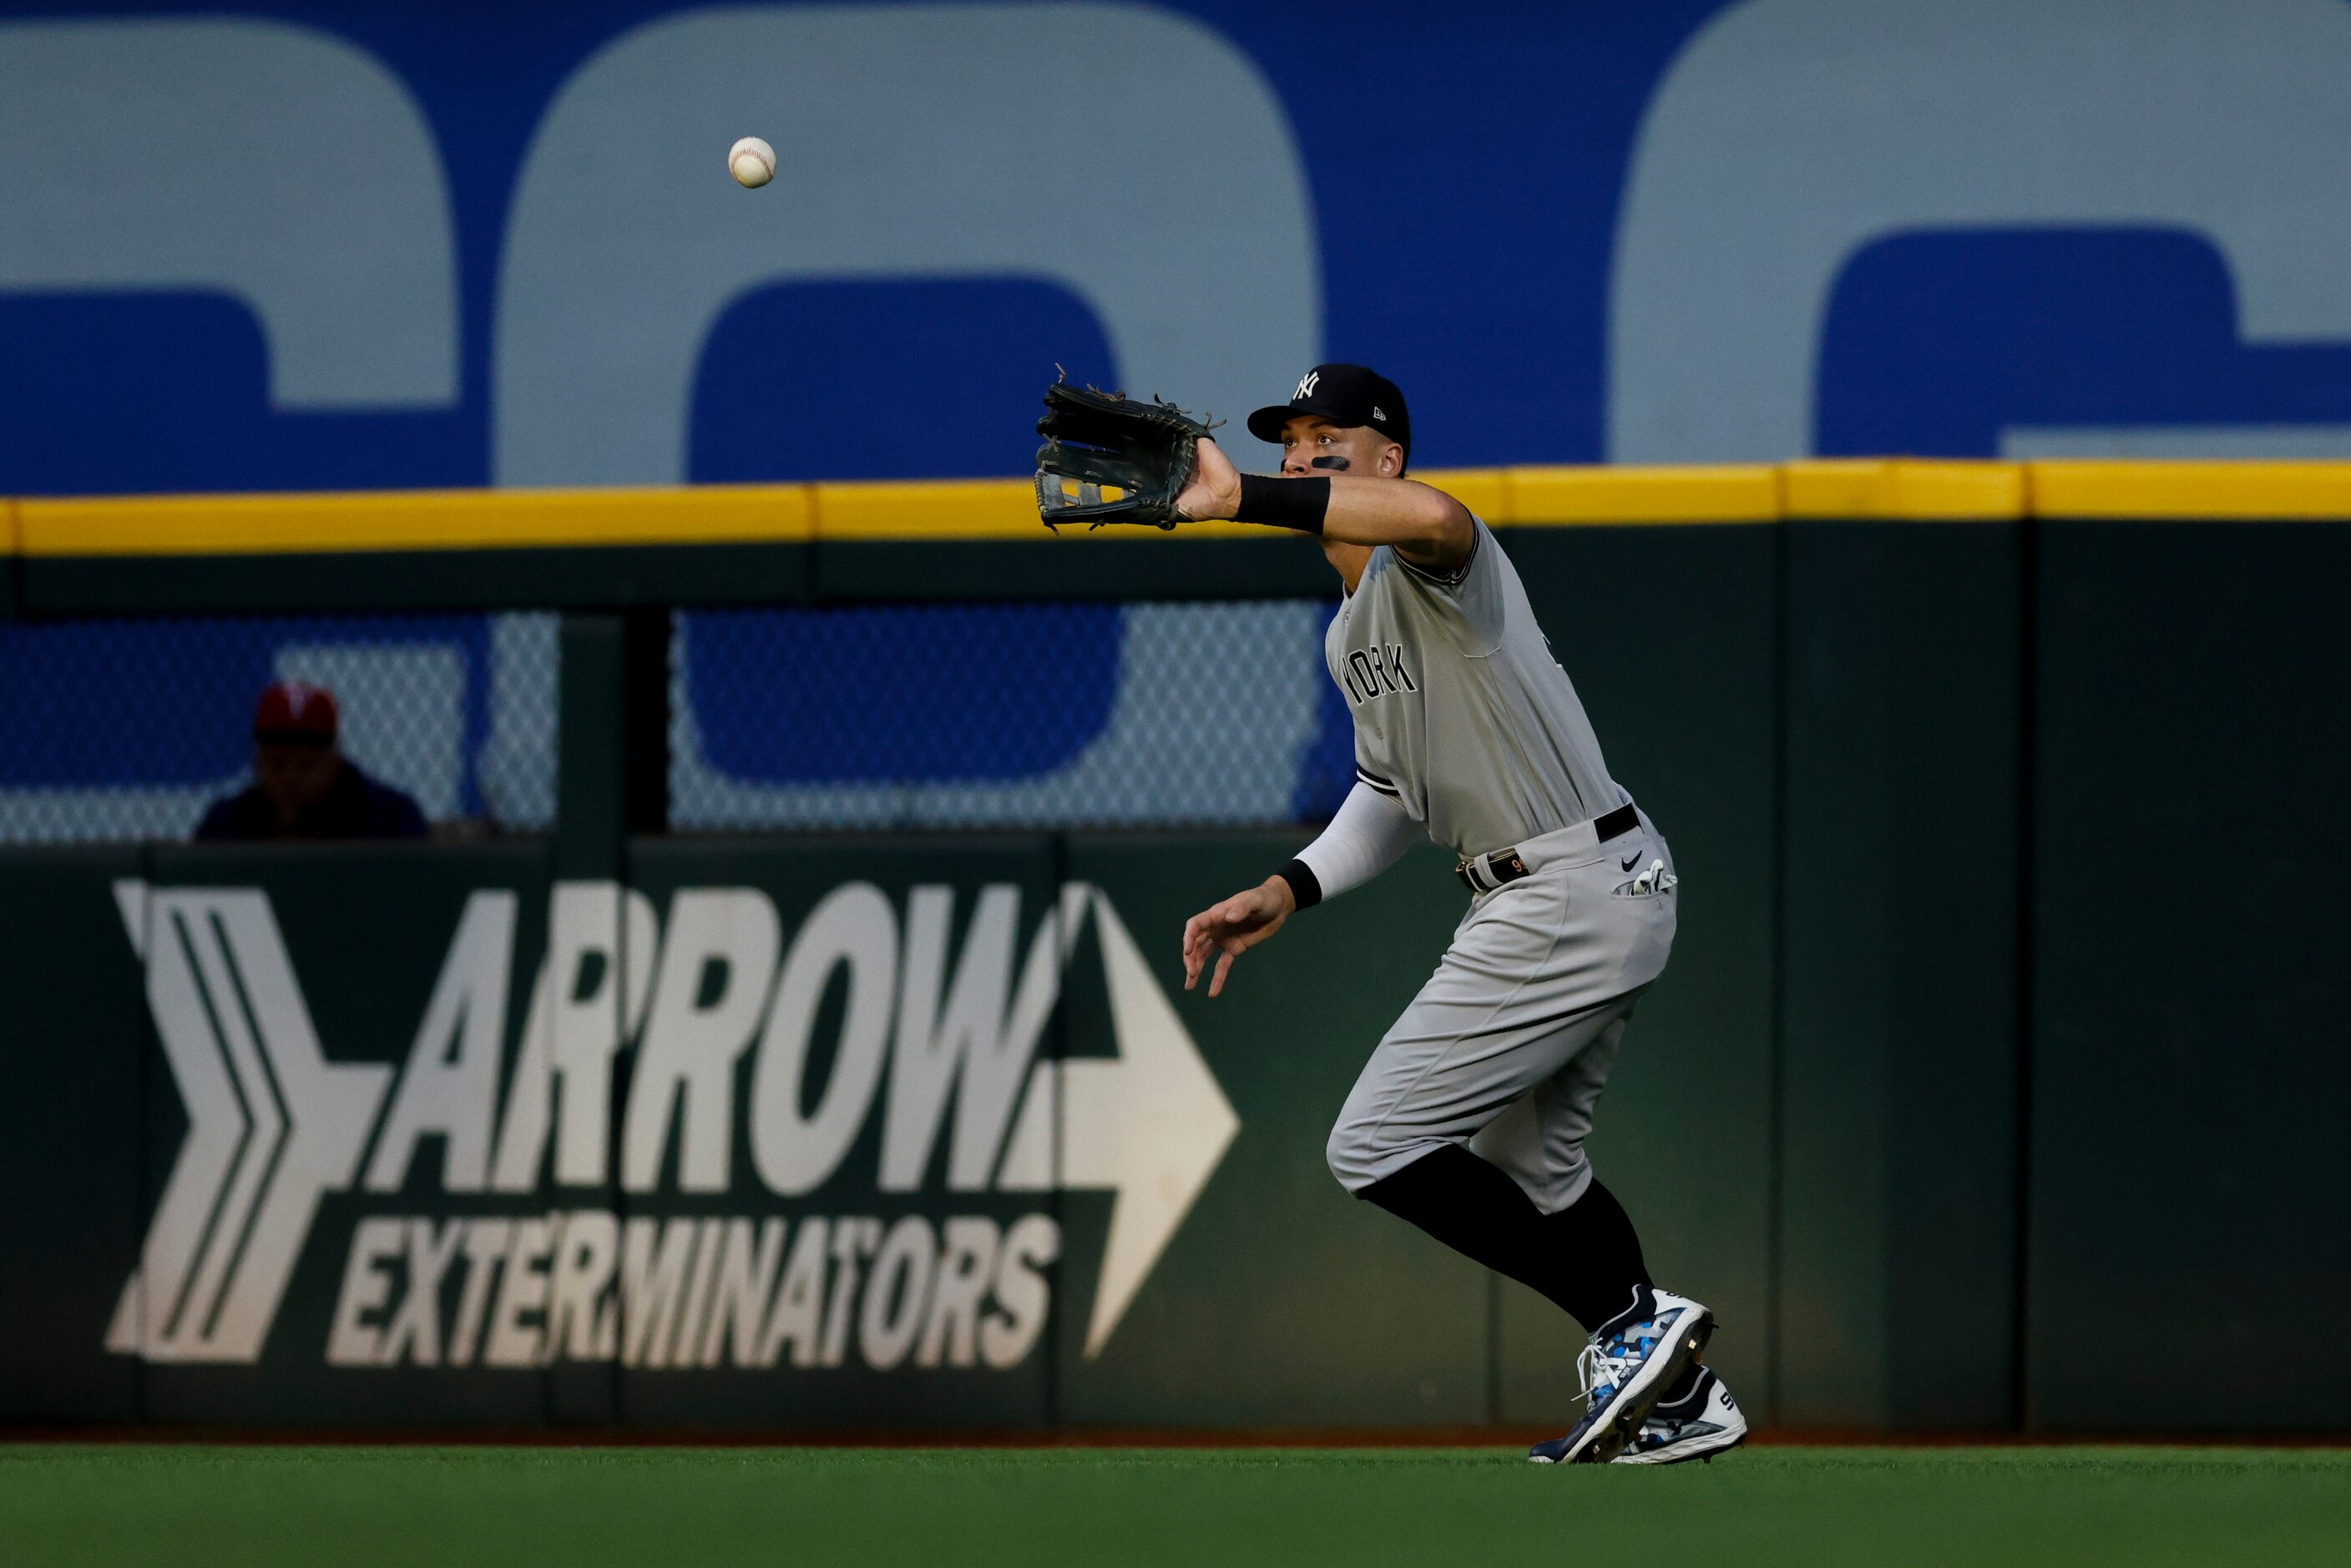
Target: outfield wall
{"points": [[1994, 1076]]}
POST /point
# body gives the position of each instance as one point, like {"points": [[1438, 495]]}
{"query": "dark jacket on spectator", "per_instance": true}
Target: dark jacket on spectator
{"points": [[354, 807]]}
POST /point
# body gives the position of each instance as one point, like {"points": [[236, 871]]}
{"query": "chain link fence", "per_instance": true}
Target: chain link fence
{"points": [[129, 729], [1040, 716], [1000, 715]]}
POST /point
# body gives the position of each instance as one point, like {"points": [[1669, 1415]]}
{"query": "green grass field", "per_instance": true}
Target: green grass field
{"points": [[948, 1508]]}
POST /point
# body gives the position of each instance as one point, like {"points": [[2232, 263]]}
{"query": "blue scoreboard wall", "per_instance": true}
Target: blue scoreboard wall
{"points": [[364, 244]]}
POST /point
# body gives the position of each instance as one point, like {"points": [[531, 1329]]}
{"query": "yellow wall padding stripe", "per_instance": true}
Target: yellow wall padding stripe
{"points": [[936, 509], [414, 519], [1893, 489], [1731, 494], [2231, 490], [1905, 487]]}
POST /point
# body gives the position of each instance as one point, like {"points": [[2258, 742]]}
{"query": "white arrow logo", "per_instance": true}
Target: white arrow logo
{"points": [[272, 1125], [1151, 1126]]}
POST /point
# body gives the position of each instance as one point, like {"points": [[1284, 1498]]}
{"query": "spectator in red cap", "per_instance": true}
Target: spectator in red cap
{"points": [[304, 787]]}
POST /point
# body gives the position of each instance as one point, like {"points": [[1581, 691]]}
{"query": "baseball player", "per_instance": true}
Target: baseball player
{"points": [[1470, 1116]]}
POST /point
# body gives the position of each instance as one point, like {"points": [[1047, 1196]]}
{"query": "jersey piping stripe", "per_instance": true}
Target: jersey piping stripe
{"points": [[1384, 786]]}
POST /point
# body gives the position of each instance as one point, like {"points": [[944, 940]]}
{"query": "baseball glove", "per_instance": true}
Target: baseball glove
{"points": [[1108, 458]]}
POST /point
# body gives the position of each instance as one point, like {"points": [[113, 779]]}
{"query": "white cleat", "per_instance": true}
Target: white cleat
{"points": [[1698, 1426], [1633, 1358]]}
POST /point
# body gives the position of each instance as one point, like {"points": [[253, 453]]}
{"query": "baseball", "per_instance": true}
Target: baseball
{"points": [[752, 162]]}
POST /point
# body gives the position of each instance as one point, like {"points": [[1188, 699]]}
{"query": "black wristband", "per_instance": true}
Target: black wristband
{"points": [[1296, 503], [1305, 885]]}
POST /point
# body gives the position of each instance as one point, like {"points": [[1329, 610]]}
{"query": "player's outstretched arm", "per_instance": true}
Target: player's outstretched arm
{"points": [[1426, 525], [1232, 928], [1369, 833]]}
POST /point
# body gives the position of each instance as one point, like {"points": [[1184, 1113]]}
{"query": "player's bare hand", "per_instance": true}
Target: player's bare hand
{"points": [[1232, 928], [1216, 487]]}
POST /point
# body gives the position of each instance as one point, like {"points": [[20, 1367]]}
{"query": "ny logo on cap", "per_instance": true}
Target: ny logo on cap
{"points": [[1306, 386]]}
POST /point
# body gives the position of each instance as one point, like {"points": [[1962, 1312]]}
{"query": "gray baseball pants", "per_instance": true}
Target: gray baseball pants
{"points": [[1509, 1042]]}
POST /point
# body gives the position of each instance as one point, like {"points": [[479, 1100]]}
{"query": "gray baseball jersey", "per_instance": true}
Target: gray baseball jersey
{"points": [[1463, 717], [1461, 713]]}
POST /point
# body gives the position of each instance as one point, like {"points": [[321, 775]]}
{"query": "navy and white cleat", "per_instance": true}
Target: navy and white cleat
{"points": [[1698, 1426], [1632, 1359]]}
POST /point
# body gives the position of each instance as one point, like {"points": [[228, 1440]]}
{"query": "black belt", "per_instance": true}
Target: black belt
{"points": [[1484, 873]]}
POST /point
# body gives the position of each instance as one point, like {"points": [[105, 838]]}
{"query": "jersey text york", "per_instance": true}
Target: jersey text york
{"points": [[1376, 671]]}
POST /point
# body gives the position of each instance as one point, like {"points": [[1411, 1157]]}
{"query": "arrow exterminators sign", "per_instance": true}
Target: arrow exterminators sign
{"points": [[742, 1047]]}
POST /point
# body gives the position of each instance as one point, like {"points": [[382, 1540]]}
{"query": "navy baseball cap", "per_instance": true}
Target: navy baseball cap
{"points": [[1346, 395]]}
